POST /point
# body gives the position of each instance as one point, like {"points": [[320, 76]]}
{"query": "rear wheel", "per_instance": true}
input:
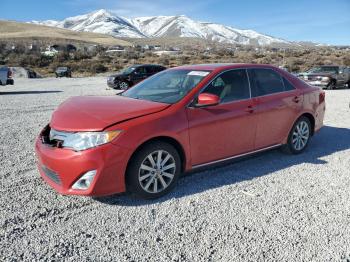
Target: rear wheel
{"points": [[299, 136], [153, 171]]}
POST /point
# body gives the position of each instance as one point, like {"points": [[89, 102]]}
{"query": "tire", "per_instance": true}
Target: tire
{"points": [[293, 146], [147, 181], [124, 85], [331, 85]]}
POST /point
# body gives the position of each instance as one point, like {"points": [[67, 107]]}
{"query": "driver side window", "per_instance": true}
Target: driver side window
{"points": [[230, 86], [141, 70]]}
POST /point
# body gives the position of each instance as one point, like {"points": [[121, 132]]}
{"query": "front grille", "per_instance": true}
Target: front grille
{"points": [[314, 78], [52, 175]]}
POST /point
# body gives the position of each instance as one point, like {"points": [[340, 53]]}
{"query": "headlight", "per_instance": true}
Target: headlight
{"points": [[325, 78], [83, 140]]}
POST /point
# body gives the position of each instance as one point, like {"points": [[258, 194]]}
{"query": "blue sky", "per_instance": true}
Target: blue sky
{"points": [[323, 21]]}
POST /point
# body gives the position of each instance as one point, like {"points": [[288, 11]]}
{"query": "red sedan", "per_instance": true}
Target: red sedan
{"points": [[180, 119]]}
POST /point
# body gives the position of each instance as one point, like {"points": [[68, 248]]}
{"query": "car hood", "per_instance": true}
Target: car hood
{"points": [[95, 113], [119, 75], [320, 74]]}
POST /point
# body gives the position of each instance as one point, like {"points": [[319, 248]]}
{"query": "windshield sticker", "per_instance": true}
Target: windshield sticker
{"points": [[198, 73]]}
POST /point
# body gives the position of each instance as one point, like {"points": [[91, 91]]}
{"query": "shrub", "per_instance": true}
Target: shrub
{"points": [[98, 68]]}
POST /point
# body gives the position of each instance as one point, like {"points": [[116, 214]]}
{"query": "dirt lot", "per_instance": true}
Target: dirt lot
{"points": [[269, 207]]}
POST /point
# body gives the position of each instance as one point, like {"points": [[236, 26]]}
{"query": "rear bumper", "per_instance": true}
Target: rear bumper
{"points": [[61, 168]]}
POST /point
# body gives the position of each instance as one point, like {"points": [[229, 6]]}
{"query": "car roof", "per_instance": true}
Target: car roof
{"points": [[222, 66], [138, 65]]}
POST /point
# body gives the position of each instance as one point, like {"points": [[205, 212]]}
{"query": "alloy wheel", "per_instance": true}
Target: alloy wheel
{"points": [[301, 135], [123, 85], [157, 171]]}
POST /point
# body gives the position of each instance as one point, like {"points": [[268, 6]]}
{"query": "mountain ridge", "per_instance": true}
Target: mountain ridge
{"points": [[106, 22]]}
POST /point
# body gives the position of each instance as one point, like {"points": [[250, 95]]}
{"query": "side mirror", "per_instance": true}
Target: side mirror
{"points": [[206, 99]]}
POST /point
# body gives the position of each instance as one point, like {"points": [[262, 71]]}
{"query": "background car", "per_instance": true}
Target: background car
{"points": [[181, 119], [132, 75], [6, 76], [328, 76], [63, 71]]}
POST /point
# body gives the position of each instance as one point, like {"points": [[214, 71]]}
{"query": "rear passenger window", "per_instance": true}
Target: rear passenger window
{"points": [[287, 85], [265, 82], [149, 69], [158, 69], [230, 86]]}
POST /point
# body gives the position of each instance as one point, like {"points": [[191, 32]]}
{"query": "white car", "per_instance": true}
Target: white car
{"points": [[6, 76]]}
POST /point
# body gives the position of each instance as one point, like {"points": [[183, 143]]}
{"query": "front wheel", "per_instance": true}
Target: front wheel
{"points": [[299, 136], [331, 85], [153, 171], [124, 85]]}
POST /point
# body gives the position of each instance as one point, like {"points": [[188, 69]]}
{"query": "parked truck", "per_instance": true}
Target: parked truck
{"points": [[6, 76], [328, 76]]}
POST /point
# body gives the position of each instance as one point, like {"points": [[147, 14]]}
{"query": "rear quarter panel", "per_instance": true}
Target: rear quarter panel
{"points": [[314, 104], [311, 100]]}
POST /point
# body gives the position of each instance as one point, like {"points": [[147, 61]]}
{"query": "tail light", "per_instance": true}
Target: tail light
{"points": [[9, 73], [322, 97]]}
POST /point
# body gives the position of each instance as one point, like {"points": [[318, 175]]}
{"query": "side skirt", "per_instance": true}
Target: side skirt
{"points": [[236, 156]]}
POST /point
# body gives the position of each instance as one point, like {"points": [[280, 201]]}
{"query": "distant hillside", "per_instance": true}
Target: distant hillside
{"points": [[105, 22], [16, 30]]}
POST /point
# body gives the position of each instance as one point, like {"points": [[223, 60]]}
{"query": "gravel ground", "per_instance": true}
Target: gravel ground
{"points": [[273, 206]]}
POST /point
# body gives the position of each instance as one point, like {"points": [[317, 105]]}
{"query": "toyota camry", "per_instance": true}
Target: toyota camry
{"points": [[180, 119]]}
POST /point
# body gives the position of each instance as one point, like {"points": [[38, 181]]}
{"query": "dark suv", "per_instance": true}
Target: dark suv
{"points": [[328, 76], [63, 71], [132, 75]]}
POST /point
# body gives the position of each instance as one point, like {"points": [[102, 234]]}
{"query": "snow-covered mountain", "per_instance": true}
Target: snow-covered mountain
{"points": [[100, 21], [105, 22]]}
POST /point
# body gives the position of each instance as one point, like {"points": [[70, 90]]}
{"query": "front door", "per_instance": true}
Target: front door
{"points": [[228, 129], [140, 74]]}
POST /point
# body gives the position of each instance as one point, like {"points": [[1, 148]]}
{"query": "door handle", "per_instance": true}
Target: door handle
{"points": [[250, 109], [296, 99]]}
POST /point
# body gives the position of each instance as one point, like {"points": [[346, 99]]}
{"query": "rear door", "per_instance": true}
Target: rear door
{"points": [[278, 103], [150, 70], [228, 129]]}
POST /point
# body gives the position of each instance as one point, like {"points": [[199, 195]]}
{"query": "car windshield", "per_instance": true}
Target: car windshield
{"points": [[167, 87], [324, 69], [128, 70], [62, 68]]}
